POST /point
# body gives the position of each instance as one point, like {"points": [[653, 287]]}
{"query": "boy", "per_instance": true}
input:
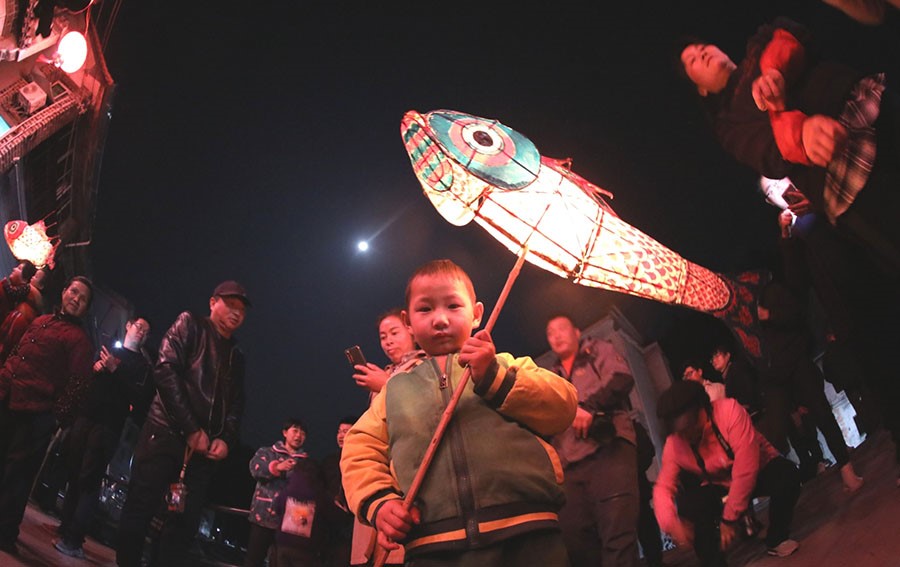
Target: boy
{"points": [[340, 519], [271, 466], [494, 488]]}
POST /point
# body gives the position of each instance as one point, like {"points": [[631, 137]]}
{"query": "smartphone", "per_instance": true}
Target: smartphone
{"points": [[355, 356], [792, 196]]}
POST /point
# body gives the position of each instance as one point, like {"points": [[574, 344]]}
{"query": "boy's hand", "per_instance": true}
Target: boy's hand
{"points": [[106, 361], [479, 354], [370, 377], [768, 90], [393, 522], [785, 220], [823, 138]]}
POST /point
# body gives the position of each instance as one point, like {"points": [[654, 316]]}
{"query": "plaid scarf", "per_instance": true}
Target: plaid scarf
{"points": [[849, 171]]}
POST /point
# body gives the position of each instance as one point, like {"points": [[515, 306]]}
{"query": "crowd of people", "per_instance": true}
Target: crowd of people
{"points": [[538, 465]]}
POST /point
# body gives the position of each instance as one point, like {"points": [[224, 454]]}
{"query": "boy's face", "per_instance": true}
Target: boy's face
{"points": [[294, 438], [693, 374], [441, 313], [136, 333], [720, 360], [342, 431], [396, 340], [707, 66]]}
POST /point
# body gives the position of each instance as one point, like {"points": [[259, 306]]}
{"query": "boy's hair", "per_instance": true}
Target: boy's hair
{"points": [[691, 363], [445, 268], [723, 348], [348, 419], [709, 104], [134, 319], [682, 397], [294, 421], [394, 312], [678, 46], [28, 270]]}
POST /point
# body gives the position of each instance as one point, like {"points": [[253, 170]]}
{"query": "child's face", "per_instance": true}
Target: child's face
{"points": [[441, 313], [294, 438], [342, 431], [396, 339]]}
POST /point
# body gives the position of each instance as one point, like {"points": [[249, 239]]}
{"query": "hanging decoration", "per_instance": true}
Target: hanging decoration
{"points": [[30, 242]]}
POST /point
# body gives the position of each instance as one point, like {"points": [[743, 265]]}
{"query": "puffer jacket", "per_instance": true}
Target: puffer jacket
{"points": [[269, 486], [194, 363], [492, 476]]}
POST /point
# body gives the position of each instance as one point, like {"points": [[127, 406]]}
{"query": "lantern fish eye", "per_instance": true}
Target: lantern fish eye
{"points": [[492, 152], [482, 139]]}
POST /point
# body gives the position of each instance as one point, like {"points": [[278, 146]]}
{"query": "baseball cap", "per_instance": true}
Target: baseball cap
{"points": [[233, 289]]}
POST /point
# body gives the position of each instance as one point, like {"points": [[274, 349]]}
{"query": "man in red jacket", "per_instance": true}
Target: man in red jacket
{"points": [[40, 384]]}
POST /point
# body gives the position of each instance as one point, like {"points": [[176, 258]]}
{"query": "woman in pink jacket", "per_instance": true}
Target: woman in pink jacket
{"points": [[714, 462]]}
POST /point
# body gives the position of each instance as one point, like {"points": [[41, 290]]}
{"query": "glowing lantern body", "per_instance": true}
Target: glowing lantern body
{"points": [[30, 242], [72, 52], [475, 168]]}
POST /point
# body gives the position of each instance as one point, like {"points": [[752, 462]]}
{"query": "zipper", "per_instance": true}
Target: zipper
{"points": [[465, 495]]}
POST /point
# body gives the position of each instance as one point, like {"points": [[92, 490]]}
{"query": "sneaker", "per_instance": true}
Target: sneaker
{"points": [[784, 548], [64, 548]]}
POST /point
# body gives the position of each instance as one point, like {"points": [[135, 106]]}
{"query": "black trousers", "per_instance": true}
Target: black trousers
{"points": [[806, 387], [702, 505], [24, 437], [258, 544], [89, 448], [158, 459], [648, 528]]}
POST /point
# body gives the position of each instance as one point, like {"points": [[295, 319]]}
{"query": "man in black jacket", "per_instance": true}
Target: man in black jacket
{"points": [[122, 387], [192, 422]]}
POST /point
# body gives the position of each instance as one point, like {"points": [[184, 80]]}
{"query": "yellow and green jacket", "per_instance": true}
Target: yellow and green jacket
{"points": [[492, 477]]}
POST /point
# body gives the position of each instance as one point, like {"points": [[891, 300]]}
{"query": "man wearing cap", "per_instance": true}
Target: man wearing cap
{"points": [[193, 421]]}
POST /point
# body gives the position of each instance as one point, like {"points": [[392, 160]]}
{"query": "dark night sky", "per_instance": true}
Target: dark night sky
{"points": [[260, 140]]}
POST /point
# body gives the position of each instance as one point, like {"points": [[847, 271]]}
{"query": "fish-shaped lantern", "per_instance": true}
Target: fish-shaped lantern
{"points": [[473, 168], [30, 242]]}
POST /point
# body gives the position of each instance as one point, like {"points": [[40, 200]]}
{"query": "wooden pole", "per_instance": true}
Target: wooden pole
{"points": [[381, 554]]}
